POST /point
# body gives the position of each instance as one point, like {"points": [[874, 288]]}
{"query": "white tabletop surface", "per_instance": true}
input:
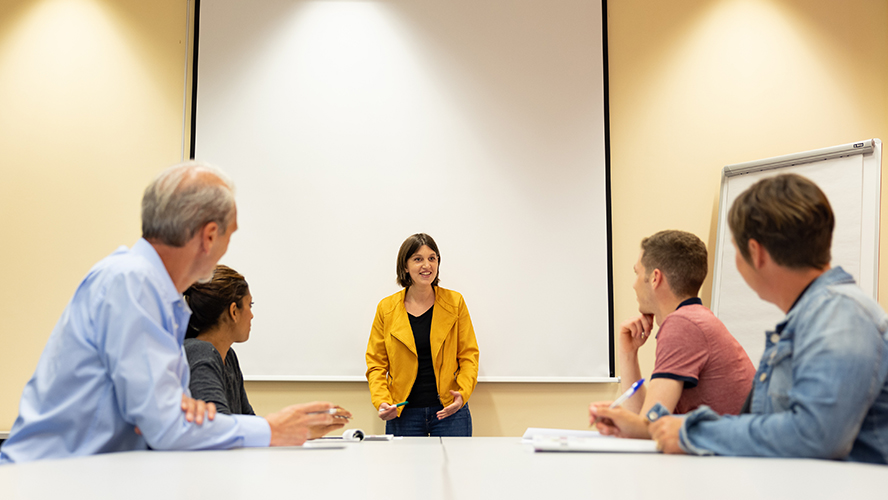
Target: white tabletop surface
{"points": [[433, 468]]}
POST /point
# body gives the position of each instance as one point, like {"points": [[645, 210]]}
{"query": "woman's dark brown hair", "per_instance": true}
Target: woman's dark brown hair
{"points": [[209, 301], [408, 248]]}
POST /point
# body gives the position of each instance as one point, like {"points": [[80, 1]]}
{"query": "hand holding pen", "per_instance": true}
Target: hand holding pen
{"points": [[340, 415], [613, 420], [388, 411], [628, 394], [336, 411]]}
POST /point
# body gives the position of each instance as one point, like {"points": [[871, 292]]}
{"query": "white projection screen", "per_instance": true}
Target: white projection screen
{"points": [[347, 126]]}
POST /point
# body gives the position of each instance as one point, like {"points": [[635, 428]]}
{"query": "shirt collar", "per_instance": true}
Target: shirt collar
{"points": [[801, 295], [834, 276], [145, 250], [690, 301]]}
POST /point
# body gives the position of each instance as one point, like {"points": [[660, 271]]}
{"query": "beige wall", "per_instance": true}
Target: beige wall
{"points": [[696, 85], [91, 108]]}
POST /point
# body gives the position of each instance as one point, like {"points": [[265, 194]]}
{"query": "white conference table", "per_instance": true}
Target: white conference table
{"points": [[433, 468]]}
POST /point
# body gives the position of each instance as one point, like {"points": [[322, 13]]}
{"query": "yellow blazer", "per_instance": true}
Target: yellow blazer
{"points": [[392, 361]]}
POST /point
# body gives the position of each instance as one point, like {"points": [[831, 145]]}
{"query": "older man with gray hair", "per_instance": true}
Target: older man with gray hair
{"points": [[113, 375]]}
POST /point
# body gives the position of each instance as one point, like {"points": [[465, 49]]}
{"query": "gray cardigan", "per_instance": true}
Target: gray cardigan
{"points": [[215, 381]]}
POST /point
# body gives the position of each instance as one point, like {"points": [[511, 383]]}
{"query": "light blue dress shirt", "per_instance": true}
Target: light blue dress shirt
{"points": [[113, 362], [821, 389]]}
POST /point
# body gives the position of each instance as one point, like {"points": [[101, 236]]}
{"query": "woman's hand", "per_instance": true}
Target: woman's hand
{"points": [[195, 409], [452, 407], [387, 411]]}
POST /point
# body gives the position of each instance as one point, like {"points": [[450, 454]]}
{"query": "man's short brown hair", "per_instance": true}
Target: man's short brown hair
{"points": [[789, 216], [680, 256]]}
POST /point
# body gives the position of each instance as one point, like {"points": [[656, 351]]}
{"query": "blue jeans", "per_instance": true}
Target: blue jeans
{"points": [[424, 422]]}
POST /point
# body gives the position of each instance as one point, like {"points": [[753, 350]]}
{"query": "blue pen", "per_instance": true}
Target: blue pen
{"points": [[628, 394], [622, 399]]}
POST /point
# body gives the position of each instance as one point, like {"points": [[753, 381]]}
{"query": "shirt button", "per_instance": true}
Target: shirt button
{"points": [[653, 416], [772, 355], [775, 337], [763, 376]]}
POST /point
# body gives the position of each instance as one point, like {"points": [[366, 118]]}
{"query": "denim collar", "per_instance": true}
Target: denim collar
{"points": [[834, 276]]}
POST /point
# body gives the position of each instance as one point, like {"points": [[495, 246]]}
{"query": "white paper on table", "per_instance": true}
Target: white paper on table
{"points": [[596, 444], [379, 437], [532, 432], [318, 445]]}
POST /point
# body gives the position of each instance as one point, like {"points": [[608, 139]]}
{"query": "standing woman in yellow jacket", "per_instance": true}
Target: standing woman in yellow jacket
{"points": [[422, 350]]}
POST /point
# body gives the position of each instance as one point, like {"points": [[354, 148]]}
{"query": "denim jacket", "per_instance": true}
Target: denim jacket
{"points": [[821, 389]]}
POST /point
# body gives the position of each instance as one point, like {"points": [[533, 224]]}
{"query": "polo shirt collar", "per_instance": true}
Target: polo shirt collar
{"points": [[690, 301]]}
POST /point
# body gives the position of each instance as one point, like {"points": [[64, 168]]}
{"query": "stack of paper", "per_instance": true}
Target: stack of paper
{"points": [[584, 441]]}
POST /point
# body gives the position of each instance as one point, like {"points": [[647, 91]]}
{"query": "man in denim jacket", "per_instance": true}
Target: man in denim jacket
{"points": [[821, 389]]}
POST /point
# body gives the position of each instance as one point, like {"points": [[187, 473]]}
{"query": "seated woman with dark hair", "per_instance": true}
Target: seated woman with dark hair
{"points": [[222, 310]]}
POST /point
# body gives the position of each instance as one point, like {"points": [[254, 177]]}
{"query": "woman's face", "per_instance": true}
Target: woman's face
{"points": [[244, 319], [423, 266]]}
